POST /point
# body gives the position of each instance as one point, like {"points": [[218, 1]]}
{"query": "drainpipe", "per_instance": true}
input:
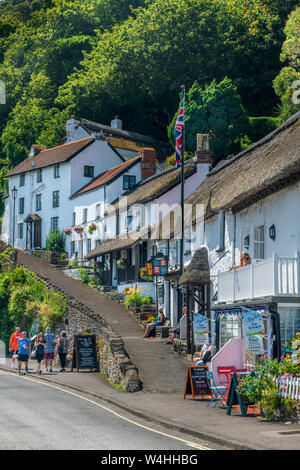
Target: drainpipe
{"points": [[234, 241]]}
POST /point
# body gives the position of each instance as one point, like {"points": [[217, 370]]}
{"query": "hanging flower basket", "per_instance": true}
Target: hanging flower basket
{"points": [[67, 231], [92, 228], [79, 229], [144, 274], [122, 263]]}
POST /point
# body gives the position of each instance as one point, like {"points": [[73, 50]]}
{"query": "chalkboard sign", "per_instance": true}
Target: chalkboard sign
{"points": [[84, 353], [197, 382]]}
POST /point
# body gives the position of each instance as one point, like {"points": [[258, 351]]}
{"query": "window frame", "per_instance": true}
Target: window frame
{"points": [[55, 199], [56, 170], [129, 179], [52, 224], [39, 175], [22, 180], [21, 205], [38, 202]]}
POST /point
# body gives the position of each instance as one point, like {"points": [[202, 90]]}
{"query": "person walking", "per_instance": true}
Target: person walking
{"points": [[49, 349], [63, 348], [40, 344], [24, 349], [13, 345]]}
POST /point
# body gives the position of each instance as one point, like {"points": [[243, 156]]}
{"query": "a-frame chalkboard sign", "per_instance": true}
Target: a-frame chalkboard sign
{"points": [[84, 353], [234, 398], [197, 382]]}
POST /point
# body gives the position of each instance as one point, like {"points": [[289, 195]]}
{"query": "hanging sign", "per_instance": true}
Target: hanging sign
{"points": [[197, 382], [160, 265], [201, 329], [254, 328]]}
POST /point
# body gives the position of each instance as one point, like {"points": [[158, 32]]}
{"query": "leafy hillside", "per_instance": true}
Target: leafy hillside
{"points": [[98, 58]]}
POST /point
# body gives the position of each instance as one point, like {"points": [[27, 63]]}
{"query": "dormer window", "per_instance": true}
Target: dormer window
{"points": [[89, 171], [129, 181]]}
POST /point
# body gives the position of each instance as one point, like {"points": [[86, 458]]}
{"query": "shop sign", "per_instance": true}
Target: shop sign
{"points": [[254, 328], [160, 265], [201, 329]]}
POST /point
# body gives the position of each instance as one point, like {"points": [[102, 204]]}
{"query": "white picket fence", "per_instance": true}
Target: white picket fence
{"points": [[289, 387]]}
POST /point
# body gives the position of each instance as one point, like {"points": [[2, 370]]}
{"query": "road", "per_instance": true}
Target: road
{"points": [[40, 416]]}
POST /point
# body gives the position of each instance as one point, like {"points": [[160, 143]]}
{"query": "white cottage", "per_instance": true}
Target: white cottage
{"points": [[251, 204]]}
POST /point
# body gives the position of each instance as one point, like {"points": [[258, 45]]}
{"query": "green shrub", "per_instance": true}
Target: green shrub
{"points": [[133, 299], [147, 300], [63, 256], [83, 275], [55, 241]]}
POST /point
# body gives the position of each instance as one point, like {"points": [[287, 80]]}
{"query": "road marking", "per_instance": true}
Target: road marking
{"points": [[188, 443]]}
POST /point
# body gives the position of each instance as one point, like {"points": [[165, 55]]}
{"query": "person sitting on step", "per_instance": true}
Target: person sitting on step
{"points": [[159, 322]]}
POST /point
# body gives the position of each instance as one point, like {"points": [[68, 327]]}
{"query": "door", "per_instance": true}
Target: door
{"points": [[37, 234]]}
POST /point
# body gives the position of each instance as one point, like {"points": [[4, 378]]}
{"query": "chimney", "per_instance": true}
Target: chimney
{"points": [[36, 149], [148, 164], [203, 152], [116, 123], [71, 126]]}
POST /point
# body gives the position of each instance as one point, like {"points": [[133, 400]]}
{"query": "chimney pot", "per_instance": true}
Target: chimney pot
{"points": [[116, 123], [203, 153]]}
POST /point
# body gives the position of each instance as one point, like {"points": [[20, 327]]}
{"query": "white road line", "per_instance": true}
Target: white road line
{"points": [[188, 443]]}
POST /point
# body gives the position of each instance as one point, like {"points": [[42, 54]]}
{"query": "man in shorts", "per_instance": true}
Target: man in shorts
{"points": [[49, 349], [24, 349], [13, 345]]}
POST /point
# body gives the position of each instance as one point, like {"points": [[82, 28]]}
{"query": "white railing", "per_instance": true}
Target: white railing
{"points": [[277, 276], [289, 387]]}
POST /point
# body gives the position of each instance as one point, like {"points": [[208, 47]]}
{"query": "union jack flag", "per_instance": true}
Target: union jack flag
{"points": [[178, 132]]}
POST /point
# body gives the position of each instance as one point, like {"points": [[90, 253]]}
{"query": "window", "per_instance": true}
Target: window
{"points": [[20, 231], [259, 242], [38, 202], [39, 175], [229, 328], [129, 181], [73, 219], [289, 324], [89, 171], [56, 170], [55, 198], [88, 245], [84, 216], [21, 205], [72, 248], [98, 207], [117, 224], [129, 222], [54, 223], [97, 242], [22, 179], [221, 220]]}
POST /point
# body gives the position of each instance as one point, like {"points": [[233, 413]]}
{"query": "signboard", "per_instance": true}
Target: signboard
{"points": [[197, 383], [254, 328], [160, 265], [201, 329], [84, 353], [234, 398]]}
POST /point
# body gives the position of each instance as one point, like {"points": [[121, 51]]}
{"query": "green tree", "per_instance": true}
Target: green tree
{"points": [[215, 109], [287, 81]]}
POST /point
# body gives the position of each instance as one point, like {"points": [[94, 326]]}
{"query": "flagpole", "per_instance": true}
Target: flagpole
{"points": [[182, 194]]}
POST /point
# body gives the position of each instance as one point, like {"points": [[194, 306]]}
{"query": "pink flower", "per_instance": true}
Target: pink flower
{"points": [[283, 387], [283, 367]]}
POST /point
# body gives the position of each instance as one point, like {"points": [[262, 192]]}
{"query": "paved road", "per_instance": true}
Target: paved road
{"points": [[40, 416]]}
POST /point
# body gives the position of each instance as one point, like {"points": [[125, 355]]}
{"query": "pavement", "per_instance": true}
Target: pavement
{"points": [[163, 374], [187, 416]]}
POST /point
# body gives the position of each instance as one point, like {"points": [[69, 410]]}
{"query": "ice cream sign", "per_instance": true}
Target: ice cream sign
{"points": [[254, 329]]}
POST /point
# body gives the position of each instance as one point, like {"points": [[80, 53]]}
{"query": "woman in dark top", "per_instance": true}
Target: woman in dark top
{"points": [[39, 344]]}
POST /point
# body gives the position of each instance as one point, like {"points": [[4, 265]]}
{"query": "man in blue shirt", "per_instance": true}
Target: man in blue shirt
{"points": [[49, 349], [24, 349]]}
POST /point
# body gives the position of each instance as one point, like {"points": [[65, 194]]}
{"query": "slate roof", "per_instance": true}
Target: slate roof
{"points": [[59, 154]]}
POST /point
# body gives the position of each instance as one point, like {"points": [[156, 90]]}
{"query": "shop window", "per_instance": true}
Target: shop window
{"points": [[289, 324]]}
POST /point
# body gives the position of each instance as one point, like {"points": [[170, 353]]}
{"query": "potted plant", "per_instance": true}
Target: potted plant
{"points": [[67, 231]]}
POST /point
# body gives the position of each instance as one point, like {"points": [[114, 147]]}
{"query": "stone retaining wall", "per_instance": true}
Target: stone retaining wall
{"points": [[50, 257]]}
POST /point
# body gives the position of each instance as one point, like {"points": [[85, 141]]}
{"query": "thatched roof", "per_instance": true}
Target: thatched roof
{"points": [[154, 186], [197, 271], [122, 242], [265, 167]]}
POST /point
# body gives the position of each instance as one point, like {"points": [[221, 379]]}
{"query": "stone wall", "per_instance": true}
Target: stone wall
{"points": [[50, 257]]}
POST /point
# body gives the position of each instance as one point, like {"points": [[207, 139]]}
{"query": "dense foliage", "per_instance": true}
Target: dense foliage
{"points": [[99, 58], [23, 298]]}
